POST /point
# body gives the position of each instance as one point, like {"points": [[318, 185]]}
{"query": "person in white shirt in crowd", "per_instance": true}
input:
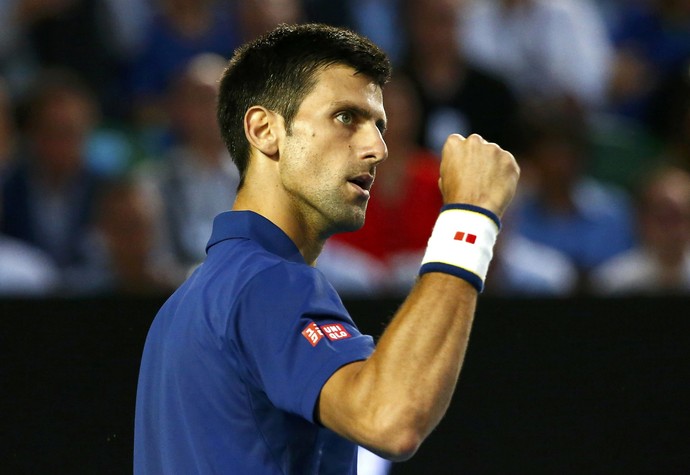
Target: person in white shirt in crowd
{"points": [[561, 205], [522, 267], [660, 264], [24, 270], [543, 48], [127, 256], [197, 178], [49, 189], [457, 94]]}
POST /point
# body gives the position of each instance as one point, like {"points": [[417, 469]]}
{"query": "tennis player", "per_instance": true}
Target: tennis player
{"points": [[253, 366]]}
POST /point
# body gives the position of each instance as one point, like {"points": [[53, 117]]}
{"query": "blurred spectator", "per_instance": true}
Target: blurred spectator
{"points": [[378, 20], [178, 31], [456, 96], [24, 270], [196, 178], [524, 268], [49, 191], [401, 213], [661, 262], [560, 206], [257, 17], [353, 273], [91, 37], [125, 252], [543, 48], [652, 40]]}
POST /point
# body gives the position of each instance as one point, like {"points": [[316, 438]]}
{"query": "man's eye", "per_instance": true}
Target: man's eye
{"points": [[345, 117]]}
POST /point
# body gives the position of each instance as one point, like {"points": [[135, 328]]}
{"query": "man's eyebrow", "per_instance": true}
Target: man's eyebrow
{"points": [[362, 112]]}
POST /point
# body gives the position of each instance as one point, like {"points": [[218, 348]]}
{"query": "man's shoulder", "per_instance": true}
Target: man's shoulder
{"points": [[249, 266]]}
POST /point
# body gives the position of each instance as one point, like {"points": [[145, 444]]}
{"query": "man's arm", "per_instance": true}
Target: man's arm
{"points": [[392, 401]]}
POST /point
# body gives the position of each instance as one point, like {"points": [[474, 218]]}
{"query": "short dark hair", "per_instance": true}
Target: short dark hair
{"points": [[278, 70]]}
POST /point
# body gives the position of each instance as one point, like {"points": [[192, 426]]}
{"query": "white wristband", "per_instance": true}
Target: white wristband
{"points": [[462, 243]]}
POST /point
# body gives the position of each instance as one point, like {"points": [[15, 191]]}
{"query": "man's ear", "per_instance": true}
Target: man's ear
{"points": [[261, 126]]}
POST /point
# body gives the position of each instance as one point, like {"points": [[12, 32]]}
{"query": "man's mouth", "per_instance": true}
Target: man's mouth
{"points": [[363, 182]]}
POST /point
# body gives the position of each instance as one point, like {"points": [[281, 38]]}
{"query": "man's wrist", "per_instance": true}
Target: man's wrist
{"points": [[462, 242]]}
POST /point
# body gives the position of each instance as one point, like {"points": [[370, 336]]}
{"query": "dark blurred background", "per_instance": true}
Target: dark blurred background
{"points": [[566, 386]]}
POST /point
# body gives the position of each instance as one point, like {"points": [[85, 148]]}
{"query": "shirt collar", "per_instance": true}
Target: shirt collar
{"points": [[251, 225]]}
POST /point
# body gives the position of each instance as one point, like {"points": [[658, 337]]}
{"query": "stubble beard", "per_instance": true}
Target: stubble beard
{"points": [[339, 215], [327, 210]]}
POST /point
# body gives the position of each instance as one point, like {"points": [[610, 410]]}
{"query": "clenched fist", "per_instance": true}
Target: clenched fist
{"points": [[477, 172]]}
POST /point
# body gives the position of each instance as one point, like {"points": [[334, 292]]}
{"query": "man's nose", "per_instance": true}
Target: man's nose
{"points": [[374, 144]]}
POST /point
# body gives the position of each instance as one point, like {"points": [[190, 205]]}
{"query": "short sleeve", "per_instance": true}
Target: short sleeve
{"points": [[294, 333]]}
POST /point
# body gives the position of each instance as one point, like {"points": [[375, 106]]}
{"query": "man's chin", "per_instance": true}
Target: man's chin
{"points": [[353, 223]]}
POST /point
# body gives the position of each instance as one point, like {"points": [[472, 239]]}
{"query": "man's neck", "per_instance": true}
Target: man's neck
{"points": [[300, 231]]}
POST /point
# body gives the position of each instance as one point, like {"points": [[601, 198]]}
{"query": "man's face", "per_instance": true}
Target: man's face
{"points": [[665, 215], [433, 26], [59, 133], [193, 111], [328, 161]]}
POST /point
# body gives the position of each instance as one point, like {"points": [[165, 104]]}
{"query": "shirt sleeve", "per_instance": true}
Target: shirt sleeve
{"points": [[294, 333]]}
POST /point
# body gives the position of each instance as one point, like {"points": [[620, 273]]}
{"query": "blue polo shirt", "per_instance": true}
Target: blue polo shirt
{"points": [[235, 360]]}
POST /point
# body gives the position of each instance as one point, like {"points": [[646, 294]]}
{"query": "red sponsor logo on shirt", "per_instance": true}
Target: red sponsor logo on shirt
{"points": [[312, 333], [335, 331], [467, 237]]}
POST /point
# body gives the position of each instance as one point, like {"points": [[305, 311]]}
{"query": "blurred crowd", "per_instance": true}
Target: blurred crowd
{"points": [[112, 167]]}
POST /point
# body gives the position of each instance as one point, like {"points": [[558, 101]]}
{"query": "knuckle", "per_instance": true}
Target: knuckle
{"points": [[476, 138], [454, 139]]}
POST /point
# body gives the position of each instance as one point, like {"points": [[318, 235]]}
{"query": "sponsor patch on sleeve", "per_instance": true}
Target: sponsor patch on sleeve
{"points": [[335, 331], [312, 333]]}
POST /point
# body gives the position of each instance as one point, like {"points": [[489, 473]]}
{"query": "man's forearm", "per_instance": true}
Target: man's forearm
{"points": [[420, 355], [399, 395]]}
